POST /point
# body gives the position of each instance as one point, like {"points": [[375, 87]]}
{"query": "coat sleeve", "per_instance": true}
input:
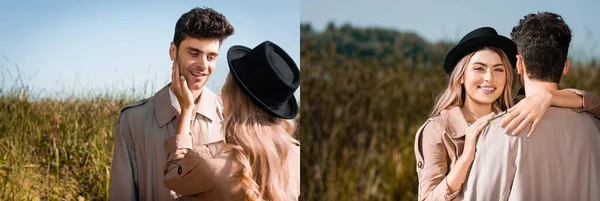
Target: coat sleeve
{"points": [[183, 171], [123, 171], [591, 101], [432, 163]]}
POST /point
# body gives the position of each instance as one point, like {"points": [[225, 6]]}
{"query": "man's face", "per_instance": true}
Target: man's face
{"points": [[196, 59]]}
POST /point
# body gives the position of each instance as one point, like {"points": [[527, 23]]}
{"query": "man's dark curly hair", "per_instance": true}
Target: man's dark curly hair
{"points": [[543, 41], [202, 23]]}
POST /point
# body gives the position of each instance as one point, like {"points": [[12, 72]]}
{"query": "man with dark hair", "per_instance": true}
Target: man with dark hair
{"points": [[139, 158], [563, 161], [543, 44]]}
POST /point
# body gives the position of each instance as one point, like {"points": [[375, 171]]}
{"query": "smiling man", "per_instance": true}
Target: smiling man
{"points": [[139, 158]]}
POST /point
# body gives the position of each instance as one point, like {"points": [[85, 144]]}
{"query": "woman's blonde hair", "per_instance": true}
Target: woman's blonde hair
{"points": [[261, 144], [454, 94]]}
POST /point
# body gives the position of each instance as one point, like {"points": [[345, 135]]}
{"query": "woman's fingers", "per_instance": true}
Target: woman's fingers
{"points": [[183, 82], [510, 115], [184, 87], [480, 128], [483, 123], [515, 122], [533, 127], [484, 119], [175, 78], [173, 74], [522, 125], [480, 124], [178, 80]]}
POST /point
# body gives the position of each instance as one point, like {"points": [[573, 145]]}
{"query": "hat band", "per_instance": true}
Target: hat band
{"points": [[278, 105]]}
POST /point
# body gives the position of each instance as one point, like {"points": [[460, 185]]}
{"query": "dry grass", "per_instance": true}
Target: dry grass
{"points": [[56, 148]]}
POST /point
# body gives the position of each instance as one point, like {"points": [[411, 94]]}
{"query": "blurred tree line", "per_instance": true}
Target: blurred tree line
{"points": [[364, 94]]}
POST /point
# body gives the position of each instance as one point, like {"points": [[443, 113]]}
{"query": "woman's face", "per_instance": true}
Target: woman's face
{"points": [[484, 78]]}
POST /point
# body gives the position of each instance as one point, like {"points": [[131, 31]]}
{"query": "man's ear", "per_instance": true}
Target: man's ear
{"points": [[566, 67], [173, 51], [520, 65]]}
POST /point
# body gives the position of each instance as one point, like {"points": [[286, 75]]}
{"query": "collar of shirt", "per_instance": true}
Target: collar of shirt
{"points": [[167, 106], [456, 121], [174, 100]]}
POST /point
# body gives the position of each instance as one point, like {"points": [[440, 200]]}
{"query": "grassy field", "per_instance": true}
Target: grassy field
{"points": [[53, 149]]}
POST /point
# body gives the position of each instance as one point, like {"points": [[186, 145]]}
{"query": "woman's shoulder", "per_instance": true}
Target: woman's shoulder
{"points": [[438, 122], [434, 128], [442, 119]]}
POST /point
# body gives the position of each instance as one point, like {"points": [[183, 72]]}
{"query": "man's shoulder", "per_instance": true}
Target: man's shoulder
{"points": [[140, 104], [497, 119], [494, 130], [560, 117], [135, 108], [556, 116], [564, 112]]}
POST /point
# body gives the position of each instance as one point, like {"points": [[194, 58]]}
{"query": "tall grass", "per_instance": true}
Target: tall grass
{"points": [[57, 148]]}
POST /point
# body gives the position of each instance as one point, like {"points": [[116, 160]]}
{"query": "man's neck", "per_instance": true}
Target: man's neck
{"points": [[533, 86], [196, 94]]}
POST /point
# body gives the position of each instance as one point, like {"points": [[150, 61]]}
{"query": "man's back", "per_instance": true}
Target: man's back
{"points": [[561, 161]]}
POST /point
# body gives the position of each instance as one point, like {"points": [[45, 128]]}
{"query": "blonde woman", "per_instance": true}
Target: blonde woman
{"points": [[258, 159], [481, 77]]}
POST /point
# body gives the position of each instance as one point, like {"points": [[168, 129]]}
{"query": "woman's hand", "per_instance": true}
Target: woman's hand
{"points": [[472, 133], [458, 173], [181, 90], [530, 110], [185, 99]]}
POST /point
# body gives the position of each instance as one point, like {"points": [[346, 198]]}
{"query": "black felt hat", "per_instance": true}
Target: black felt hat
{"points": [[268, 76], [478, 38]]}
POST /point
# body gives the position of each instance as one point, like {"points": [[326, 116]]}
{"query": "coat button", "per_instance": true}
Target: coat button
{"points": [[420, 164], [179, 170]]}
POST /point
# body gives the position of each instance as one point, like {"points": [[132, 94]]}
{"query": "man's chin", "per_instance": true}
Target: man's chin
{"points": [[196, 86]]}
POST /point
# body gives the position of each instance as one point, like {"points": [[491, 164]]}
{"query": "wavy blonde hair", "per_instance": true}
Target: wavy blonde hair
{"points": [[261, 144], [454, 94]]}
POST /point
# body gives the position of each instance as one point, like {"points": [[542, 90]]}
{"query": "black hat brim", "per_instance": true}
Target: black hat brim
{"points": [[457, 53], [287, 111]]}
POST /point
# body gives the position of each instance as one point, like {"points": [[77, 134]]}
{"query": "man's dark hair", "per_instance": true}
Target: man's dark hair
{"points": [[543, 41], [202, 23]]}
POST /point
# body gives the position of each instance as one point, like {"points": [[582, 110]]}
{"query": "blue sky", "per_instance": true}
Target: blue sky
{"points": [[83, 47], [450, 20]]}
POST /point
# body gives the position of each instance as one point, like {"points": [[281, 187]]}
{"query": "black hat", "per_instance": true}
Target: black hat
{"points": [[478, 38], [268, 76]]}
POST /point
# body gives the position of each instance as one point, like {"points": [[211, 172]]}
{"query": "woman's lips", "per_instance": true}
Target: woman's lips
{"points": [[487, 89]]}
